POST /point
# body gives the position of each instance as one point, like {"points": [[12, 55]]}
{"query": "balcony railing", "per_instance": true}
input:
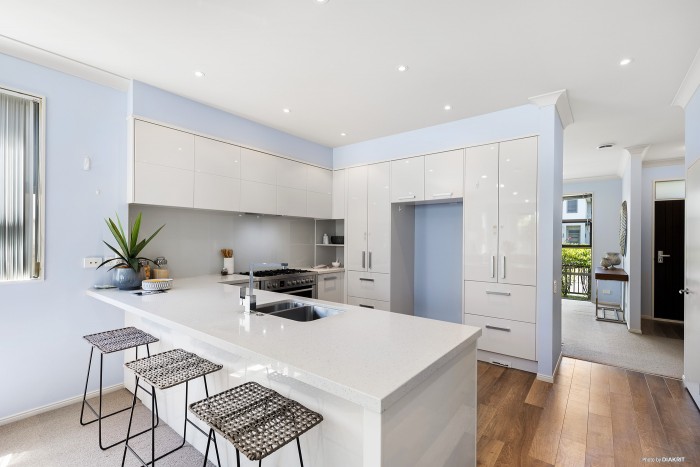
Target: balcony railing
{"points": [[576, 282]]}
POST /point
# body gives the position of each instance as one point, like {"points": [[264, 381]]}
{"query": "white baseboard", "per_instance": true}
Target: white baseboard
{"points": [[635, 331], [58, 405]]}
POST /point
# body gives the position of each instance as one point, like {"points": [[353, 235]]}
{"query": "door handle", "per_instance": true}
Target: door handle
{"points": [[496, 328], [407, 197], [369, 261], [366, 279], [660, 256], [684, 291], [493, 266], [442, 195], [363, 260], [491, 292], [366, 306], [503, 267], [330, 278]]}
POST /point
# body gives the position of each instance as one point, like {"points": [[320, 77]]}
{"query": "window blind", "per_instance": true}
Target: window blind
{"points": [[19, 186]]}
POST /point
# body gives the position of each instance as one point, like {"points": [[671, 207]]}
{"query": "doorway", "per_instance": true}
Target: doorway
{"points": [[669, 250]]}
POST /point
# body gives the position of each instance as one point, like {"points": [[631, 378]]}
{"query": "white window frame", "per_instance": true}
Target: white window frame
{"points": [[41, 241]]}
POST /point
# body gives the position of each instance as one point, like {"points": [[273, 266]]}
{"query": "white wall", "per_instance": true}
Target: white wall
{"points": [[192, 239], [607, 198], [632, 193], [649, 175], [44, 357]]}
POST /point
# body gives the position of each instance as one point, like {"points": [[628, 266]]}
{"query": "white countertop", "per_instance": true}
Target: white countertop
{"points": [[369, 357]]}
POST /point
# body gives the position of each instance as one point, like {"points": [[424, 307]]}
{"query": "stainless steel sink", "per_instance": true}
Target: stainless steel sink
{"points": [[297, 311]]}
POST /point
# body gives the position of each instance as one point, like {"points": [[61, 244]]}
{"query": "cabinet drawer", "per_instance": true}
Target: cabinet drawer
{"points": [[368, 285], [369, 303], [331, 287], [514, 302], [505, 337]]}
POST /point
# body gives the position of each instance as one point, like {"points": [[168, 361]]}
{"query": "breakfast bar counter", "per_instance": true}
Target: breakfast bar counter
{"points": [[393, 389]]}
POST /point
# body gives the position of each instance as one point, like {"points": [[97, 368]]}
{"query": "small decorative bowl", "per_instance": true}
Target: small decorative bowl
{"points": [[157, 284], [335, 264]]}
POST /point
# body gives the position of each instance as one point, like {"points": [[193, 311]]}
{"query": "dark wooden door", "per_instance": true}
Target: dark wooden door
{"points": [[669, 260]]}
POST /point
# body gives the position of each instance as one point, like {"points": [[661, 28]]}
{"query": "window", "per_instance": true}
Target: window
{"points": [[571, 206], [21, 186], [573, 234], [577, 222]]}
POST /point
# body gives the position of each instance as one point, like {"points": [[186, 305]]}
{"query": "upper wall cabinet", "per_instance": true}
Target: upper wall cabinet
{"points": [[163, 168], [258, 167], [291, 174], [444, 175], [339, 189], [217, 167], [216, 157], [319, 193], [408, 180]]}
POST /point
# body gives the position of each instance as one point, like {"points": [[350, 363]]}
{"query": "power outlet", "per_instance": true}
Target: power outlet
{"points": [[91, 262], [605, 292]]}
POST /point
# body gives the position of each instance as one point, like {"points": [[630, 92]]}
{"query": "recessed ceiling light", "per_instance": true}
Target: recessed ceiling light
{"points": [[286, 110], [402, 68], [448, 107], [605, 145], [484, 176], [343, 134], [625, 61], [199, 74]]}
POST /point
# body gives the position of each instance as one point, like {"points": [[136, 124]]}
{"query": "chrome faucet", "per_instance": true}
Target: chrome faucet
{"points": [[251, 298]]}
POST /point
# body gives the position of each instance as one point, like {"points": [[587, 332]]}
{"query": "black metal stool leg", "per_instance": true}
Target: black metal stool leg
{"points": [[153, 426], [206, 452], [128, 430], [216, 446], [87, 379], [238, 458], [301, 460]]}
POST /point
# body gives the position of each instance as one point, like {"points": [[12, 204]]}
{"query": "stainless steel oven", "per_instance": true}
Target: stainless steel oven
{"points": [[297, 282]]}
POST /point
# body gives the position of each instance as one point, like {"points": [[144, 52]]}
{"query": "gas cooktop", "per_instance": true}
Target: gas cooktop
{"points": [[275, 272]]}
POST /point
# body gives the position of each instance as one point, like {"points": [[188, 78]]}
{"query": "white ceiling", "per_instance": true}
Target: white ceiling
{"points": [[335, 64]]}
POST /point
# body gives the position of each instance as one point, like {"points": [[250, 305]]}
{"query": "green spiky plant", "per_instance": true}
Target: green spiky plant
{"points": [[130, 247]]}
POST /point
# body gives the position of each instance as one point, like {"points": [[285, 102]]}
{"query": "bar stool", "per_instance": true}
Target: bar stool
{"points": [[110, 342], [256, 420], [166, 370]]}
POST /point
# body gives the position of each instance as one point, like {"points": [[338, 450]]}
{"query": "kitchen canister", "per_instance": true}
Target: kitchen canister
{"points": [[325, 239], [161, 269]]}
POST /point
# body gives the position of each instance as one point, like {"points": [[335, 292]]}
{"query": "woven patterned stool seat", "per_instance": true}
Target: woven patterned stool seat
{"points": [[119, 339], [168, 369], [257, 420]]}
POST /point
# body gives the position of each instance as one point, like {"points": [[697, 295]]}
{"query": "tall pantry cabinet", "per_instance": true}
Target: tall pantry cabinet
{"points": [[500, 245], [368, 238]]}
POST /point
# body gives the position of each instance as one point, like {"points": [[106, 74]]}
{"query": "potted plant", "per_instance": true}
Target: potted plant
{"points": [[127, 265]]}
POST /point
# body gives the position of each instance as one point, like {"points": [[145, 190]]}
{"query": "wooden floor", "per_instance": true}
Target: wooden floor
{"points": [[662, 328], [593, 415]]}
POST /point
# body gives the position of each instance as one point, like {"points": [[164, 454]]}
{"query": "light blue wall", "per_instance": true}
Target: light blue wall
{"points": [[506, 124], [157, 104], [692, 129], [649, 175], [44, 357], [607, 197], [438, 262]]}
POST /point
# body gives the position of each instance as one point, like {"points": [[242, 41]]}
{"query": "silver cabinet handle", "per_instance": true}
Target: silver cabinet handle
{"points": [[441, 195], [366, 280], [363, 260], [491, 292], [365, 306], [488, 326], [407, 197], [493, 266], [329, 278], [503, 267], [369, 261], [684, 291]]}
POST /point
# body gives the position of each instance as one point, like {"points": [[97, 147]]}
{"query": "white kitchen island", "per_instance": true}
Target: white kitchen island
{"points": [[394, 390]]}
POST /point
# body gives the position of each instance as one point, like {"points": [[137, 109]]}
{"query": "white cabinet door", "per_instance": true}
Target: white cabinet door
{"points": [[507, 301], [369, 303], [159, 145], [319, 180], [291, 201], [215, 157], [163, 186], [379, 217], [370, 285], [258, 197], [330, 287], [505, 336], [258, 167], [444, 175], [356, 223], [291, 174], [481, 213], [339, 189], [518, 212], [217, 192], [318, 205], [408, 180]]}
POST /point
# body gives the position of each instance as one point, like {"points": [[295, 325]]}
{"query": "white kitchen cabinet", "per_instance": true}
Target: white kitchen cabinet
{"points": [[500, 212], [339, 189], [291, 174], [258, 167], [163, 146], [217, 192], [217, 158], [369, 303], [408, 180], [291, 201], [319, 205], [372, 285], [163, 186], [331, 287], [507, 301], [258, 197], [319, 180], [505, 336], [356, 221], [444, 175]]}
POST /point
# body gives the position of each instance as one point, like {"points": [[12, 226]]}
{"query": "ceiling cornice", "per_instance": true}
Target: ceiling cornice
{"points": [[60, 63], [639, 151], [560, 99], [664, 162], [690, 83]]}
